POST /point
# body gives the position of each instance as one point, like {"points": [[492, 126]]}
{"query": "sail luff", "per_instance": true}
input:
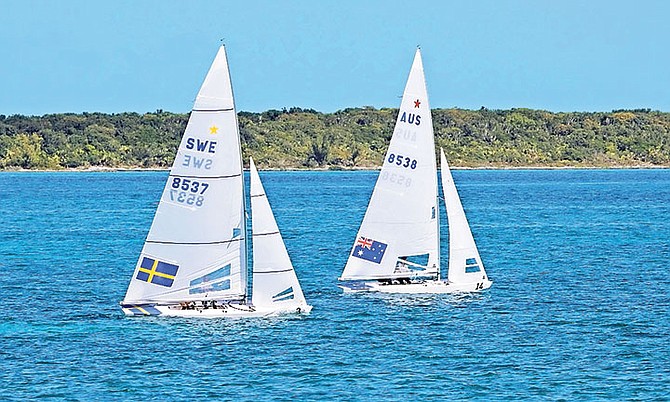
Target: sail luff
{"points": [[244, 251]]}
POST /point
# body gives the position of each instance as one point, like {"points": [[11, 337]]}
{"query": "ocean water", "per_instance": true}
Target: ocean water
{"points": [[579, 308]]}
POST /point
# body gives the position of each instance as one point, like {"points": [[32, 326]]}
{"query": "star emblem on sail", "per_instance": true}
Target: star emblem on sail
{"points": [[213, 130], [417, 103]]}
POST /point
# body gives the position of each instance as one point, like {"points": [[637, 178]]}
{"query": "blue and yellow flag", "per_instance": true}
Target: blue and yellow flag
{"points": [[157, 272]]}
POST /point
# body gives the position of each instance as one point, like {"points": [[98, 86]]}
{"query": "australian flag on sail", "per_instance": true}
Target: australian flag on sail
{"points": [[368, 249], [157, 272]]}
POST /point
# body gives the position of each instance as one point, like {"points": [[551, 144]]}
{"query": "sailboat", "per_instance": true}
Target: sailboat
{"points": [[397, 248], [194, 259]]}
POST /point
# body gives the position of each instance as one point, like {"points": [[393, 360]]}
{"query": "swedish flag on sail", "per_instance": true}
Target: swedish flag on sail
{"points": [[157, 272]]}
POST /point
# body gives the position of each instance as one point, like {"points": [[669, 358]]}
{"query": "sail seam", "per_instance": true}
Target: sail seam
{"points": [[213, 110], [206, 177], [273, 272], [265, 234], [194, 243]]}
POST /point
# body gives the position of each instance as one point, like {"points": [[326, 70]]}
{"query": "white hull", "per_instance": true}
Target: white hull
{"points": [[430, 287], [227, 311]]}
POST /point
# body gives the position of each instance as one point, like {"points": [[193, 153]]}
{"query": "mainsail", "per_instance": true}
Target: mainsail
{"points": [[402, 217], [196, 247], [274, 280], [465, 264]]}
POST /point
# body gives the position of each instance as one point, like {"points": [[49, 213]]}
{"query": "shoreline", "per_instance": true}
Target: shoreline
{"points": [[94, 169]]}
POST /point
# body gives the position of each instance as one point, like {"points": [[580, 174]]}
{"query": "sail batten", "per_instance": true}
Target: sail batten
{"points": [[213, 110], [195, 244], [265, 234], [205, 177]]}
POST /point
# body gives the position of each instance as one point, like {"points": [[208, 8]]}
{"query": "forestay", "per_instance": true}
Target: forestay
{"points": [[195, 249], [402, 216], [465, 265], [274, 280]]}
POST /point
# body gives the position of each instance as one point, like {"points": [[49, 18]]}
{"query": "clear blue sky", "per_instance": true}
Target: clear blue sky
{"points": [[127, 55]]}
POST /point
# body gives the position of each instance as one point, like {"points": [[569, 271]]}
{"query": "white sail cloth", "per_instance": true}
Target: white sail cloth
{"points": [[274, 280], [196, 247], [465, 264], [402, 216]]}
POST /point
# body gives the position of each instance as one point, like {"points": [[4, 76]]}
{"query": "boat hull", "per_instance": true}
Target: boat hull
{"points": [[226, 311], [425, 287]]}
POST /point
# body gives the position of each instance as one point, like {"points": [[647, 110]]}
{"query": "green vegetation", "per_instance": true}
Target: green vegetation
{"points": [[299, 138]]}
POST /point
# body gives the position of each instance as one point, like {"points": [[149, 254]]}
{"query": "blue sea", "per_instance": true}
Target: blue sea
{"points": [[579, 308]]}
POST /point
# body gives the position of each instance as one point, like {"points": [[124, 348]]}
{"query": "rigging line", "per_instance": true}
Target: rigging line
{"points": [[194, 243], [249, 309], [264, 234], [206, 177], [213, 110], [273, 272]]}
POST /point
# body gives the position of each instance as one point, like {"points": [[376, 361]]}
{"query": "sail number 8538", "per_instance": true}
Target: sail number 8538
{"points": [[403, 161]]}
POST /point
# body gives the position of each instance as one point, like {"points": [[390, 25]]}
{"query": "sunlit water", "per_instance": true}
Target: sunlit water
{"points": [[579, 308]]}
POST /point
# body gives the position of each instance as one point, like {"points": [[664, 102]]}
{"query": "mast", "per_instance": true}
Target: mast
{"points": [[245, 252], [439, 239]]}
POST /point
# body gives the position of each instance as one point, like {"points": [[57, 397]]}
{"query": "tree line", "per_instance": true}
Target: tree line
{"points": [[349, 138]]}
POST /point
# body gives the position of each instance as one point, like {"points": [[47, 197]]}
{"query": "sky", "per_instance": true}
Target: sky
{"points": [[141, 56]]}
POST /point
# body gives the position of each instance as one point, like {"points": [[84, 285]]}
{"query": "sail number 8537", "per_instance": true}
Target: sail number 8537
{"points": [[403, 161], [189, 185], [191, 191]]}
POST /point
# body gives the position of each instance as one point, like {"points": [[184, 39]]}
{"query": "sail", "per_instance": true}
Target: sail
{"points": [[402, 216], [196, 249], [274, 280], [465, 265]]}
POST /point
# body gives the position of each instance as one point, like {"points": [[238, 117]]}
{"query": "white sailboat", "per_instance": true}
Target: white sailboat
{"points": [[194, 260], [397, 248]]}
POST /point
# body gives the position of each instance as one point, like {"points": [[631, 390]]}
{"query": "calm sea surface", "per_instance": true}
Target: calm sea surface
{"points": [[579, 308]]}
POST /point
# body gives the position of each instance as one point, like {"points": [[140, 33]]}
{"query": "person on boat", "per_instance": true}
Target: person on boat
{"points": [[401, 265]]}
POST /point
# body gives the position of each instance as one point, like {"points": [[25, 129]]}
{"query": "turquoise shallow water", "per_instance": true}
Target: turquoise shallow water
{"points": [[579, 308]]}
